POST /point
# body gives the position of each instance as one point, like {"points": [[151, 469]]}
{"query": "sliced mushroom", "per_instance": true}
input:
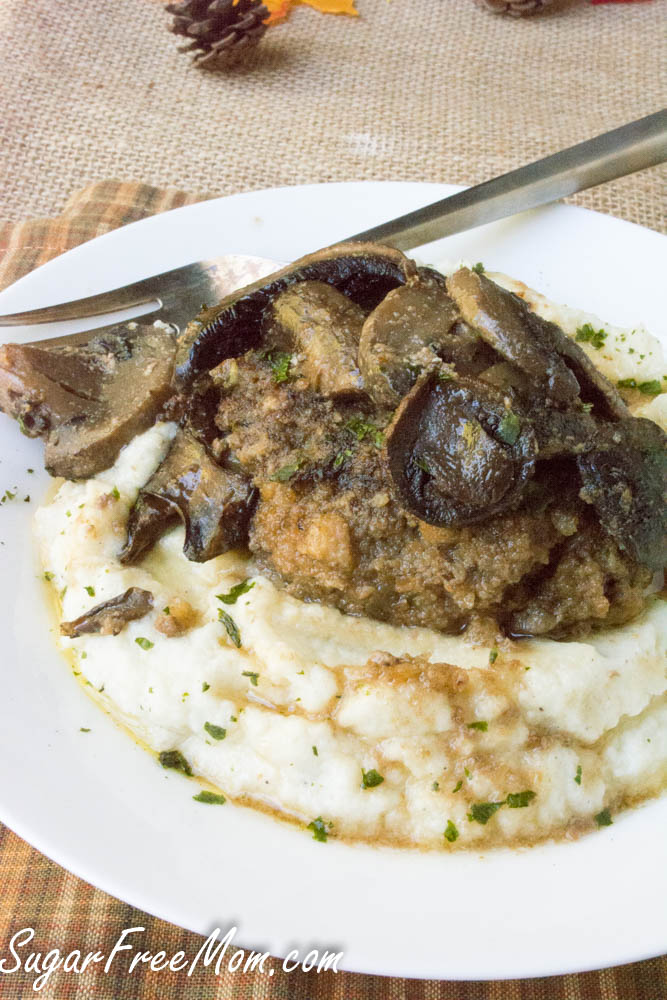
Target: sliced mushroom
{"points": [[111, 617], [627, 484], [364, 272], [322, 325], [412, 326], [457, 453], [509, 326], [215, 504], [87, 399]]}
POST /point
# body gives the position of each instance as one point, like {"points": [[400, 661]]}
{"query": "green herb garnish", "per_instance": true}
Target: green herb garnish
{"points": [[604, 818], [587, 335], [458, 786], [233, 595], [230, 626], [115, 493], [481, 812], [509, 427], [217, 732], [175, 760], [90, 591], [319, 829], [371, 779], [144, 643], [341, 456], [285, 473], [451, 833], [361, 429], [205, 686], [48, 575], [280, 365], [519, 800], [481, 726], [253, 677], [478, 267], [315, 753], [493, 655], [577, 776], [84, 730], [435, 787], [652, 388], [210, 798]]}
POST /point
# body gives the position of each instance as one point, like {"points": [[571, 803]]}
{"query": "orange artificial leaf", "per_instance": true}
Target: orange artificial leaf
{"points": [[333, 6], [279, 9]]}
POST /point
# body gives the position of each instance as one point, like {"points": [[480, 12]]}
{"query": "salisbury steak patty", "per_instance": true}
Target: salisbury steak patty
{"points": [[330, 527]]}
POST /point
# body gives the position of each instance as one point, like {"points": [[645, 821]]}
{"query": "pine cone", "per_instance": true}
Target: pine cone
{"points": [[516, 8], [222, 30]]}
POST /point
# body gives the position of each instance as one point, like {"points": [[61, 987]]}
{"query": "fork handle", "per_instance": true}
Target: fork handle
{"points": [[636, 146]]}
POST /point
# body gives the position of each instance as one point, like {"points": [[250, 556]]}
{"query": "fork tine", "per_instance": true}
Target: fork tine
{"points": [[180, 292], [137, 294]]}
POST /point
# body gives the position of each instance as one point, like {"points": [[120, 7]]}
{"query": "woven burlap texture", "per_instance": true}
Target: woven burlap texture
{"points": [[439, 90]]}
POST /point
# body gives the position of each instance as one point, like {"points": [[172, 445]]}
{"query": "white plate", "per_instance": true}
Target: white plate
{"points": [[98, 804]]}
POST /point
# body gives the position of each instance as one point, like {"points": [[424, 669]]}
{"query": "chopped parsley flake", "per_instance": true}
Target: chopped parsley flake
{"points": [[587, 335], [493, 655], [166, 610], [115, 493], [48, 575], [319, 829], [217, 732], [230, 626], [509, 427], [285, 473], [458, 786], [481, 726], [144, 643], [371, 779], [451, 833], [478, 267], [652, 388], [175, 760], [315, 753], [577, 776], [435, 787], [253, 677], [341, 456], [604, 818], [205, 686], [361, 429], [90, 591], [84, 730], [587, 407], [233, 595], [210, 798], [519, 800], [481, 812], [8, 495], [280, 365]]}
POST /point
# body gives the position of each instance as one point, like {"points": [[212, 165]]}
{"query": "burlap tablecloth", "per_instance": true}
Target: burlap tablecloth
{"points": [[421, 90]]}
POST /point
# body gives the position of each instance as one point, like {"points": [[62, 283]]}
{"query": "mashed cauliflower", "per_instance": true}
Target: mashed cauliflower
{"points": [[351, 727]]}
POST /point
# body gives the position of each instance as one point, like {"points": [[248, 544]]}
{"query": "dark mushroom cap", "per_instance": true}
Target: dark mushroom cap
{"points": [[323, 326], [626, 482], [110, 617], [364, 272], [214, 504], [509, 326], [88, 399], [402, 335], [457, 453]]}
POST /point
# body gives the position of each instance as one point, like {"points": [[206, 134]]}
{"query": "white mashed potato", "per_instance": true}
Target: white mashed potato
{"points": [[312, 717]]}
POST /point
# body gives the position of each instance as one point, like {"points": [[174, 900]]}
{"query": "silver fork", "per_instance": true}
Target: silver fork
{"points": [[180, 293]]}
